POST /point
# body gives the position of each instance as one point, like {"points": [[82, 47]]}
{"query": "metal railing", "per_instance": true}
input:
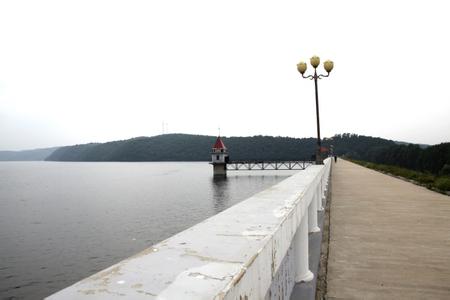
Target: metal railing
{"points": [[268, 165]]}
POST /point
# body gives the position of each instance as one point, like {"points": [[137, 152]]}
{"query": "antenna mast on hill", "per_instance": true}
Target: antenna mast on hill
{"points": [[165, 128]]}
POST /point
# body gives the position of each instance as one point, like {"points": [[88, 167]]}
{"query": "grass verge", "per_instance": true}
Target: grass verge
{"points": [[437, 183]]}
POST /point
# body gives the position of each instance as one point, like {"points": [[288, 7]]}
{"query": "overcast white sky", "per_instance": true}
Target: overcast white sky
{"points": [[94, 71]]}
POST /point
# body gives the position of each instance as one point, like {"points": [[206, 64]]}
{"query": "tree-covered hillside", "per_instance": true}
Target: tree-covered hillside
{"points": [[433, 159], [357, 146], [26, 155], [184, 147]]}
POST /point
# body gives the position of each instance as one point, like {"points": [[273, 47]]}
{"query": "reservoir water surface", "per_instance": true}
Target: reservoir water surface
{"points": [[61, 222]]}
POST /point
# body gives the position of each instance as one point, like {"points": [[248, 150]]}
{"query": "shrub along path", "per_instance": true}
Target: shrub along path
{"points": [[389, 239], [438, 183]]}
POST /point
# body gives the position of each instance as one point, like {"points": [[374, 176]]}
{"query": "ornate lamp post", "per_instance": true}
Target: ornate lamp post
{"points": [[328, 66]]}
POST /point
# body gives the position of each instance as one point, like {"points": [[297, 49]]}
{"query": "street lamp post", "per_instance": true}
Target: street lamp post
{"points": [[328, 66]]}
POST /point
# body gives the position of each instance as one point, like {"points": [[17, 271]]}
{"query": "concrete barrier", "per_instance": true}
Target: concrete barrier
{"points": [[256, 249]]}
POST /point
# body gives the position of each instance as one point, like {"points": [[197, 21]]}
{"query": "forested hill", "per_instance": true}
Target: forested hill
{"points": [[184, 147], [433, 159], [26, 155]]}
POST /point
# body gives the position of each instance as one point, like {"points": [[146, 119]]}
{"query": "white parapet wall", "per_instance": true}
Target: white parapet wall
{"points": [[256, 249]]}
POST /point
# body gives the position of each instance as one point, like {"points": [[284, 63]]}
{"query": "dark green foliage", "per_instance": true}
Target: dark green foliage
{"points": [[184, 147], [432, 159], [445, 170], [270, 148], [429, 180], [357, 146], [443, 183]]}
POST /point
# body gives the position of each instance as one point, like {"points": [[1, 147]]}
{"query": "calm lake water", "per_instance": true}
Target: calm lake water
{"points": [[61, 222]]}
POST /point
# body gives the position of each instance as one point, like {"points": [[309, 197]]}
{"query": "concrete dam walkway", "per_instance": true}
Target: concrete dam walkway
{"points": [[389, 239]]}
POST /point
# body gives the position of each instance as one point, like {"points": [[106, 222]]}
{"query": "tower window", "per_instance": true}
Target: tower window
{"points": [[217, 157]]}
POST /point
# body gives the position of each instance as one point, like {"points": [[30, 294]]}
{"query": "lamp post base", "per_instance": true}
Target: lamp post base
{"points": [[319, 160]]}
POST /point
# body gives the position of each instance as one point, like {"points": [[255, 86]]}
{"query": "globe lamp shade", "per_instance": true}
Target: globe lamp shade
{"points": [[301, 67], [328, 65], [315, 61]]}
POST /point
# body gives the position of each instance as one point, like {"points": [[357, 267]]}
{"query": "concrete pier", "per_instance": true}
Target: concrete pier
{"points": [[389, 239], [220, 170]]}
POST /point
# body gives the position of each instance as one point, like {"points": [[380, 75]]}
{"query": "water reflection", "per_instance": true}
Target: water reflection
{"points": [[227, 191], [221, 193]]}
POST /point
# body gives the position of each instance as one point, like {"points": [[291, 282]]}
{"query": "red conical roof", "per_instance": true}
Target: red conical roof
{"points": [[219, 144]]}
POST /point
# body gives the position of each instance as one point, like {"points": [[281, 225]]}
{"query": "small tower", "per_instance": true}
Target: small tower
{"points": [[219, 158]]}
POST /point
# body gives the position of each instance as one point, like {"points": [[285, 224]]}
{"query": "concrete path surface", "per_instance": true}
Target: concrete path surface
{"points": [[389, 239]]}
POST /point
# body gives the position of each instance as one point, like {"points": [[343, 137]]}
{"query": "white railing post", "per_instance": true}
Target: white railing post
{"points": [[318, 196], [312, 215], [327, 180], [327, 177], [301, 253]]}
